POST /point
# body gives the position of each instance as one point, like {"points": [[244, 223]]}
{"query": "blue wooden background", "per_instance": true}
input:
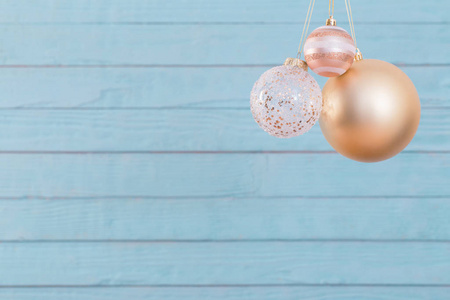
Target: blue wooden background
{"points": [[131, 167]]}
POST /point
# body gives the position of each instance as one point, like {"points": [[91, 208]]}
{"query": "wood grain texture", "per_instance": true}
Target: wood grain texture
{"points": [[66, 11], [216, 219], [242, 263], [183, 44], [221, 175], [132, 169], [175, 130], [226, 293], [169, 88]]}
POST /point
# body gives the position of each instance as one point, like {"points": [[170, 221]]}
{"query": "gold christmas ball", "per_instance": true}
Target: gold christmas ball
{"points": [[371, 112]]}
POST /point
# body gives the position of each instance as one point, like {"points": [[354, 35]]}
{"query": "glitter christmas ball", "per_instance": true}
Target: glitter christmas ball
{"points": [[286, 101], [329, 51]]}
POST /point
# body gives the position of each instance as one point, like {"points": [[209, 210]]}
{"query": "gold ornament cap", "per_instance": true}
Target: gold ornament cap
{"points": [[330, 21], [296, 63], [358, 55]]}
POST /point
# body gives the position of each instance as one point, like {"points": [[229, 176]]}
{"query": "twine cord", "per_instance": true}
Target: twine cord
{"points": [[350, 21], [331, 8], [305, 26]]}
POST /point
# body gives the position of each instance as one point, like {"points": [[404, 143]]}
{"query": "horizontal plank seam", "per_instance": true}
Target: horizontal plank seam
{"points": [[150, 197], [197, 152], [160, 108], [225, 241], [380, 285], [208, 23], [138, 66]]}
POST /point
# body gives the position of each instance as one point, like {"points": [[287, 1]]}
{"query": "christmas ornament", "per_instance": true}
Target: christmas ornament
{"points": [[329, 50], [370, 113], [286, 101]]}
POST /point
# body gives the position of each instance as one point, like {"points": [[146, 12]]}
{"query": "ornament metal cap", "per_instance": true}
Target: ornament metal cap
{"points": [[358, 55], [297, 63], [330, 21]]}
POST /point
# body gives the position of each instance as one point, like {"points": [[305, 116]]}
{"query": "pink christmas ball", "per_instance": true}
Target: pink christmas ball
{"points": [[329, 51]]}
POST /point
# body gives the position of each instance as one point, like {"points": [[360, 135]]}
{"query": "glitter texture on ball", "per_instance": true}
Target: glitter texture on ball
{"points": [[329, 51], [286, 101]]}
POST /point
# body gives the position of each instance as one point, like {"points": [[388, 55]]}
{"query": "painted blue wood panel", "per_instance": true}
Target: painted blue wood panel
{"points": [[199, 44], [179, 11], [226, 293], [229, 174], [225, 219], [131, 166], [225, 263], [93, 130], [168, 88]]}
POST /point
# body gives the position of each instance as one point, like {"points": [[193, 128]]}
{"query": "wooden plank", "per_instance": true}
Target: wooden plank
{"points": [[224, 263], [53, 11], [166, 87], [175, 130], [215, 219], [226, 293], [221, 175], [97, 45]]}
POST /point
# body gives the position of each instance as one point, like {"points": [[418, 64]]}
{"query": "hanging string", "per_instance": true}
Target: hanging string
{"points": [[331, 8], [305, 26], [350, 21]]}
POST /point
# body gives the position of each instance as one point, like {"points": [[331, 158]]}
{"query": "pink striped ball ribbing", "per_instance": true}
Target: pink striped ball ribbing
{"points": [[329, 51]]}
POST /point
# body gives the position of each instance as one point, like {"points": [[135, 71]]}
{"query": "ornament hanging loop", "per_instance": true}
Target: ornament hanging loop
{"points": [[331, 8], [331, 21], [348, 7]]}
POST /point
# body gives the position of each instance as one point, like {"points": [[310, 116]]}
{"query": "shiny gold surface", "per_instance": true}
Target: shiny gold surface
{"points": [[296, 62], [371, 112], [330, 22]]}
